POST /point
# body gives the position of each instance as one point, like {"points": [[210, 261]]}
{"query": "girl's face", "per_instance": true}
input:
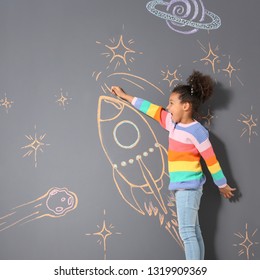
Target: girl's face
{"points": [[175, 107]]}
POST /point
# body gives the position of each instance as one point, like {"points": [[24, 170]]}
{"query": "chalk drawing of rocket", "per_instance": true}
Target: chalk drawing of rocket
{"points": [[138, 161]]}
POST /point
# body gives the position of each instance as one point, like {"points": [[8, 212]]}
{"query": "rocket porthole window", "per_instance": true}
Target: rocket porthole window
{"points": [[132, 130]]}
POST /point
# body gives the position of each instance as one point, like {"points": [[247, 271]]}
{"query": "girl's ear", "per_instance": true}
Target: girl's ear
{"points": [[186, 106]]}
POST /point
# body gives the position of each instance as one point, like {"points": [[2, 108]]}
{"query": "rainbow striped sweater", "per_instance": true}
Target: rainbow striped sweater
{"points": [[187, 144]]}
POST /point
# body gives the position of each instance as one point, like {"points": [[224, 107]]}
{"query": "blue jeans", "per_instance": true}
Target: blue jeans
{"points": [[188, 203]]}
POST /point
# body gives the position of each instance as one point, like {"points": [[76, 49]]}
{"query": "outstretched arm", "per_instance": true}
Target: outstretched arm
{"points": [[152, 110]]}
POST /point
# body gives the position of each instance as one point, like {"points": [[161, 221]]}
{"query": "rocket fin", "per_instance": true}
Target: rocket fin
{"points": [[126, 191], [152, 185]]}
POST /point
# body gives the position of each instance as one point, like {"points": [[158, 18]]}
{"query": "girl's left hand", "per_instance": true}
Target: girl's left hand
{"points": [[226, 192]]}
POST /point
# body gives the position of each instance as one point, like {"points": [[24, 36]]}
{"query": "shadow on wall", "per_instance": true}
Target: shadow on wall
{"points": [[211, 199]]}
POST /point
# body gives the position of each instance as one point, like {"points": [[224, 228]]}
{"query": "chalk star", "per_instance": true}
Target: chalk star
{"points": [[211, 58], [7, 103], [34, 146], [230, 69], [120, 47]]}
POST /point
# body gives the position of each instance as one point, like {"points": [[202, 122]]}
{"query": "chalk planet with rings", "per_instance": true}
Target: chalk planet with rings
{"points": [[184, 16]]}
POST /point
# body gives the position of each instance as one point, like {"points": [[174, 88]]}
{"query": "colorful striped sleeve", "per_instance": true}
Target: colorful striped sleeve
{"points": [[154, 111], [205, 148]]}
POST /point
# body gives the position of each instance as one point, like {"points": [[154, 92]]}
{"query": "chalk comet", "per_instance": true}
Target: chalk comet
{"points": [[57, 202], [138, 161]]}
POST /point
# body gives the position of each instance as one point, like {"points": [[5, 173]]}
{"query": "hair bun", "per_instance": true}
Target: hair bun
{"points": [[201, 85]]}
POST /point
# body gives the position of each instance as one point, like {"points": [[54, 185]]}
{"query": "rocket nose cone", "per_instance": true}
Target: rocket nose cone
{"points": [[109, 108]]}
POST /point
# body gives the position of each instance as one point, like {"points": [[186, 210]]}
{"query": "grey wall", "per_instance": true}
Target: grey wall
{"points": [[58, 190]]}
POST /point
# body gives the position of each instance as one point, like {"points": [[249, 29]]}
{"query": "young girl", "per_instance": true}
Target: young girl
{"points": [[188, 141]]}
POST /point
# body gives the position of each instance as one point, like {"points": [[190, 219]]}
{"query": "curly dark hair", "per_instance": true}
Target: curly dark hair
{"points": [[198, 89]]}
